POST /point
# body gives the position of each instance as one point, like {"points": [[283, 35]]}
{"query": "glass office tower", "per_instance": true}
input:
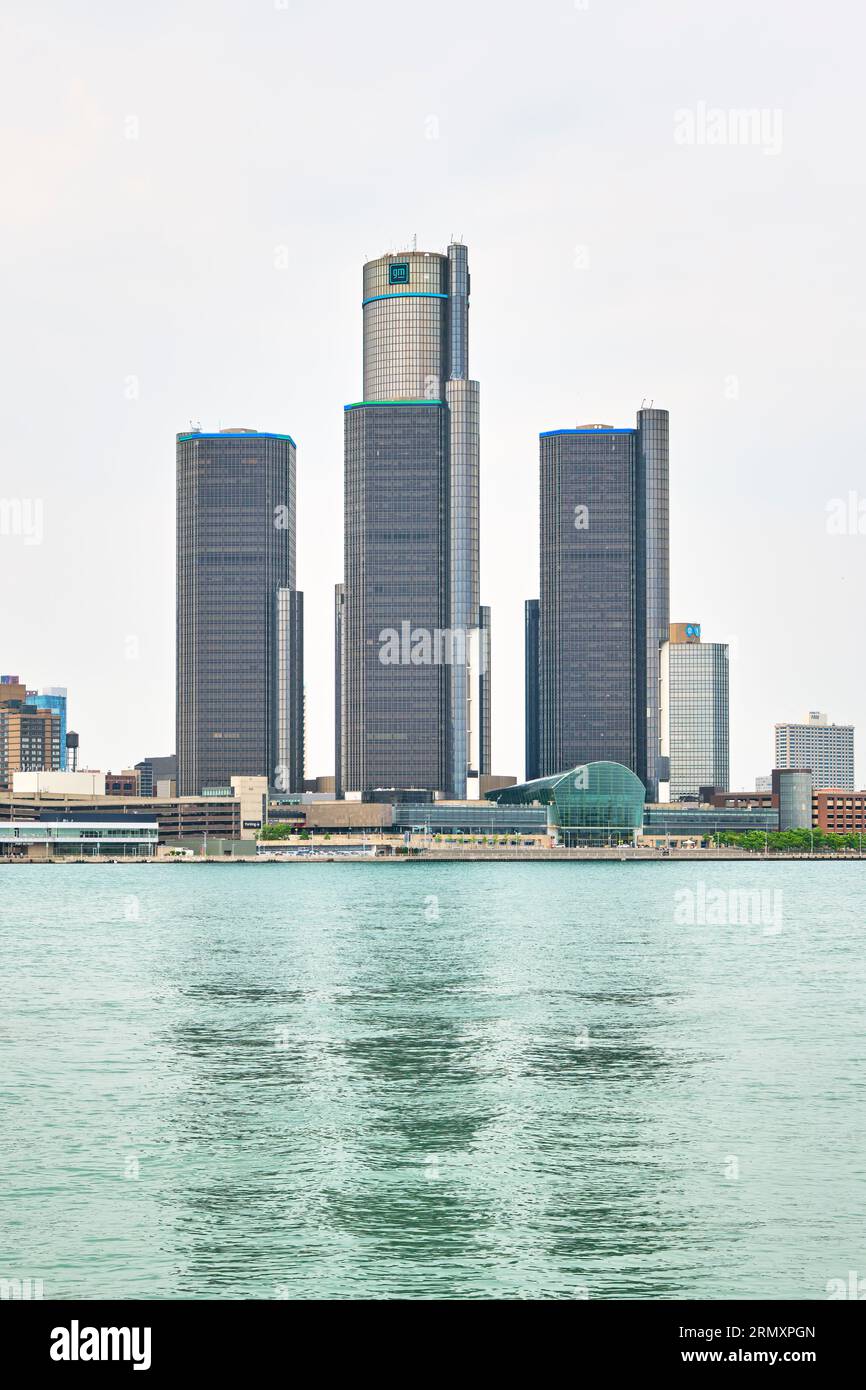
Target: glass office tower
{"points": [[413, 697], [695, 694], [652, 589], [530, 690], [239, 615], [54, 697], [603, 610]]}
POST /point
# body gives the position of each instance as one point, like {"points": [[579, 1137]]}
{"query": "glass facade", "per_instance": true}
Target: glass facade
{"points": [[653, 588], [290, 691], [471, 818], [462, 575], [235, 555], [421, 720], [596, 804], [530, 644], [588, 657], [339, 687], [701, 821], [54, 698], [795, 799], [484, 689], [406, 328], [394, 716], [68, 838], [698, 713], [603, 611]]}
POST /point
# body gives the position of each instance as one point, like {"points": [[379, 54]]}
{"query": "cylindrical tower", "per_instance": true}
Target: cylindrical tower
{"points": [[411, 549], [405, 326]]}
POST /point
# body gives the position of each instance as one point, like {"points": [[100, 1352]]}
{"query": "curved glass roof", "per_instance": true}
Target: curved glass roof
{"points": [[598, 796]]}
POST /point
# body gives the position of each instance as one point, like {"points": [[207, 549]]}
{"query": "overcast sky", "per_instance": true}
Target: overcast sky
{"points": [[190, 190]]}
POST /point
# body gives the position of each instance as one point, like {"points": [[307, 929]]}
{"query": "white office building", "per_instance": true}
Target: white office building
{"points": [[828, 749]]}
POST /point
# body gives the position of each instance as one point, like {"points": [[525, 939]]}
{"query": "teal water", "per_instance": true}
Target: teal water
{"points": [[430, 1080]]}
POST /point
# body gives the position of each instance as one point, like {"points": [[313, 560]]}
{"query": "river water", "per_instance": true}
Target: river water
{"points": [[418, 1080]]}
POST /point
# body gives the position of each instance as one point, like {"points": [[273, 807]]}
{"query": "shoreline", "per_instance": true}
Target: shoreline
{"points": [[548, 856]]}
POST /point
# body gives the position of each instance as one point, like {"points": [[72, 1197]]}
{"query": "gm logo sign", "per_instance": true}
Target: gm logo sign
{"points": [[398, 273]]}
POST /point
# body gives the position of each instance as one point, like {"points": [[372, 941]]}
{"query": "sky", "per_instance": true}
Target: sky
{"points": [[190, 191]]}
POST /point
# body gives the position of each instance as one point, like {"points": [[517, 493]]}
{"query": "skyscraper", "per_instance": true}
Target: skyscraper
{"points": [[530, 690], [29, 736], [413, 641], [695, 696], [239, 615], [603, 611], [828, 749], [53, 697], [151, 771], [339, 687]]}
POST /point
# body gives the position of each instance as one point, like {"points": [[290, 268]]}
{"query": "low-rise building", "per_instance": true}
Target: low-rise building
{"points": [[714, 796], [598, 803], [668, 821], [177, 817], [76, 836], [603, 803], [840, 811], [124, 783], [84, 783], [471, 818], [320, 784]]}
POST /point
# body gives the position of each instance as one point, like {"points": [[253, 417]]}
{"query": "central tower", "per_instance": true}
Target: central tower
{"points": [[412, 652]]}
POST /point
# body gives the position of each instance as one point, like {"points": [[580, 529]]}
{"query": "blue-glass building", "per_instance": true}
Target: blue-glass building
{"points": [[53, 697]]}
